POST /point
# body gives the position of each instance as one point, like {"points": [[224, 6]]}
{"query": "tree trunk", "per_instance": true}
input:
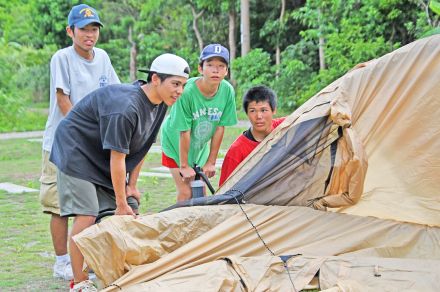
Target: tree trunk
{"points": [[321, 53], [277, 49], [232, 47], [322, 65], [133, 54], [245, 28], [196, 17]]}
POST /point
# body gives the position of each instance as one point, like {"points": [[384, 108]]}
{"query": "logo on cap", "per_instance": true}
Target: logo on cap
{"points": [[215, 50], [82, 15], [87, 12]]}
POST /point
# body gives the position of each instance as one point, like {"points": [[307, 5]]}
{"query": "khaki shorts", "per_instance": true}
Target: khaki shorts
{"points": [[81, 197], [48, 186]]}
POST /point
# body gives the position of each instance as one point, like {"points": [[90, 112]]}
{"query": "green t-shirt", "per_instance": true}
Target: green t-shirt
{"points": [[200, 115]]}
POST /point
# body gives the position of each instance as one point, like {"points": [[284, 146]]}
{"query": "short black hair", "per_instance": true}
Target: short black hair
{"points": [[72, 27], [209, 59], [161, 76], [260, 93]]}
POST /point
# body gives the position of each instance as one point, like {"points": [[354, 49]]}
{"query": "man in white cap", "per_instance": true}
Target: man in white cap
{"points": [[100, 146], [75, 71]]}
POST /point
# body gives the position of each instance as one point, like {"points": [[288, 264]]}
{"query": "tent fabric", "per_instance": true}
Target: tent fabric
{"points": [[229, 274], [130, 243], [266, 273], [389, 111], [207, 236], [367, 274]]}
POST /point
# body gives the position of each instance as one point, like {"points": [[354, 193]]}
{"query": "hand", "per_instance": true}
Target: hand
{"points": [[132, 191], [188, 174], [209, 169], [124, 209]]}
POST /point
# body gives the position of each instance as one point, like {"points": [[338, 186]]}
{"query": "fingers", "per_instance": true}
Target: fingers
{"points": [[209, 173], [125, 211], [187, 176], [188, 179]]}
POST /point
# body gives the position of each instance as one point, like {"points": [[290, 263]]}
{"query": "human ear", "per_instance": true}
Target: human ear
{"points": [[69, 31], [155, 80]]}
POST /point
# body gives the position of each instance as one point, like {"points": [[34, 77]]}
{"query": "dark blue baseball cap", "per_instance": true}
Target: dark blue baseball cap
{"points": [[82, 15], [215, 50]]}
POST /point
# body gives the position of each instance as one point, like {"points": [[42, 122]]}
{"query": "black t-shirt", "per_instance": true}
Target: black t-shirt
{"points": [[117, 117]]}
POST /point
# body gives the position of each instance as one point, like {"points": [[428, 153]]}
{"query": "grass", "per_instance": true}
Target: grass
{"points": [[26, 252]]}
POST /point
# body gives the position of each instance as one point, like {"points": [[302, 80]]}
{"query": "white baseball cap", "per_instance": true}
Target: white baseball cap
{"points": [[169, 64]]}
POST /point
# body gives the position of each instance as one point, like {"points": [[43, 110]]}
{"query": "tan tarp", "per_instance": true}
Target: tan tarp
{"points": [[386, 172], [337, 274], [176, 240], [393, 107]]}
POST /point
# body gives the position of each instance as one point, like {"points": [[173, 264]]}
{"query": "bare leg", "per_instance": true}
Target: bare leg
{"points": [[59, 229], [183, 188], [80, 222]]}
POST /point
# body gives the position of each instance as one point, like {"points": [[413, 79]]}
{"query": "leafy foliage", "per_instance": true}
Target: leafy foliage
{"points": [[252, 69], [349, 32], [24, 80], [435, 6]]}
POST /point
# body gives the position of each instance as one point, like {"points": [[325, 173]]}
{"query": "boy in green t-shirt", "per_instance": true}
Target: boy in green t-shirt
{"points": [[206, 106]]}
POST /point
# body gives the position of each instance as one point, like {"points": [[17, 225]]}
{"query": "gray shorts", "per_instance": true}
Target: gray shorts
{"points": [[81, 197]]}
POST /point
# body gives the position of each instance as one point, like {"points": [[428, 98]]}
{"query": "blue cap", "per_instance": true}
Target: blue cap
{"points": [[215, 50], [82, 15]]}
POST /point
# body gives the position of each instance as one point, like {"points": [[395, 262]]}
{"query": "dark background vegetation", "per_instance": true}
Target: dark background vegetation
{"points": [[295, 46]]}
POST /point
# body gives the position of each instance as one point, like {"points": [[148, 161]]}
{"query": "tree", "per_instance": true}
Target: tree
{"points": [[245, 28], [196, 15], [429, 19], [124, 28], [232, 37]]}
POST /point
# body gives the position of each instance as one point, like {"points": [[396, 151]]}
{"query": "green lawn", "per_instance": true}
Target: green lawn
{"points": [[26, 252]]}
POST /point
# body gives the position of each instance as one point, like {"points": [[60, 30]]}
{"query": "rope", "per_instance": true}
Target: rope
{"points": [[111, 285], [260, 237]]}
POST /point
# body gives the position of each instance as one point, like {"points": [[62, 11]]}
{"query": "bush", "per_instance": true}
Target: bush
{"points": [[25, 80], [250, 70]]}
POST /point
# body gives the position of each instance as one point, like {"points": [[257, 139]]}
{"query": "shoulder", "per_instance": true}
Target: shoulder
{"points": [[277, 122], [101, 55], [227, 85], [117, 94], [62, 53], [100, 52], [240, 148], [239, 142], [189, 90], [226, 90], [117, 98], [123, 89], [191, 84]]}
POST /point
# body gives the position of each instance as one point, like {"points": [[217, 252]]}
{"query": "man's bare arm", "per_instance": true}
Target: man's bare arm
{"points": [[63, 101]]}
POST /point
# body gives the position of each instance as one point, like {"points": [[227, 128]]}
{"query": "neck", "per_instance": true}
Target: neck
{"points": [[151, 93], [258, 136], [207, 90], [88, 55]]}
